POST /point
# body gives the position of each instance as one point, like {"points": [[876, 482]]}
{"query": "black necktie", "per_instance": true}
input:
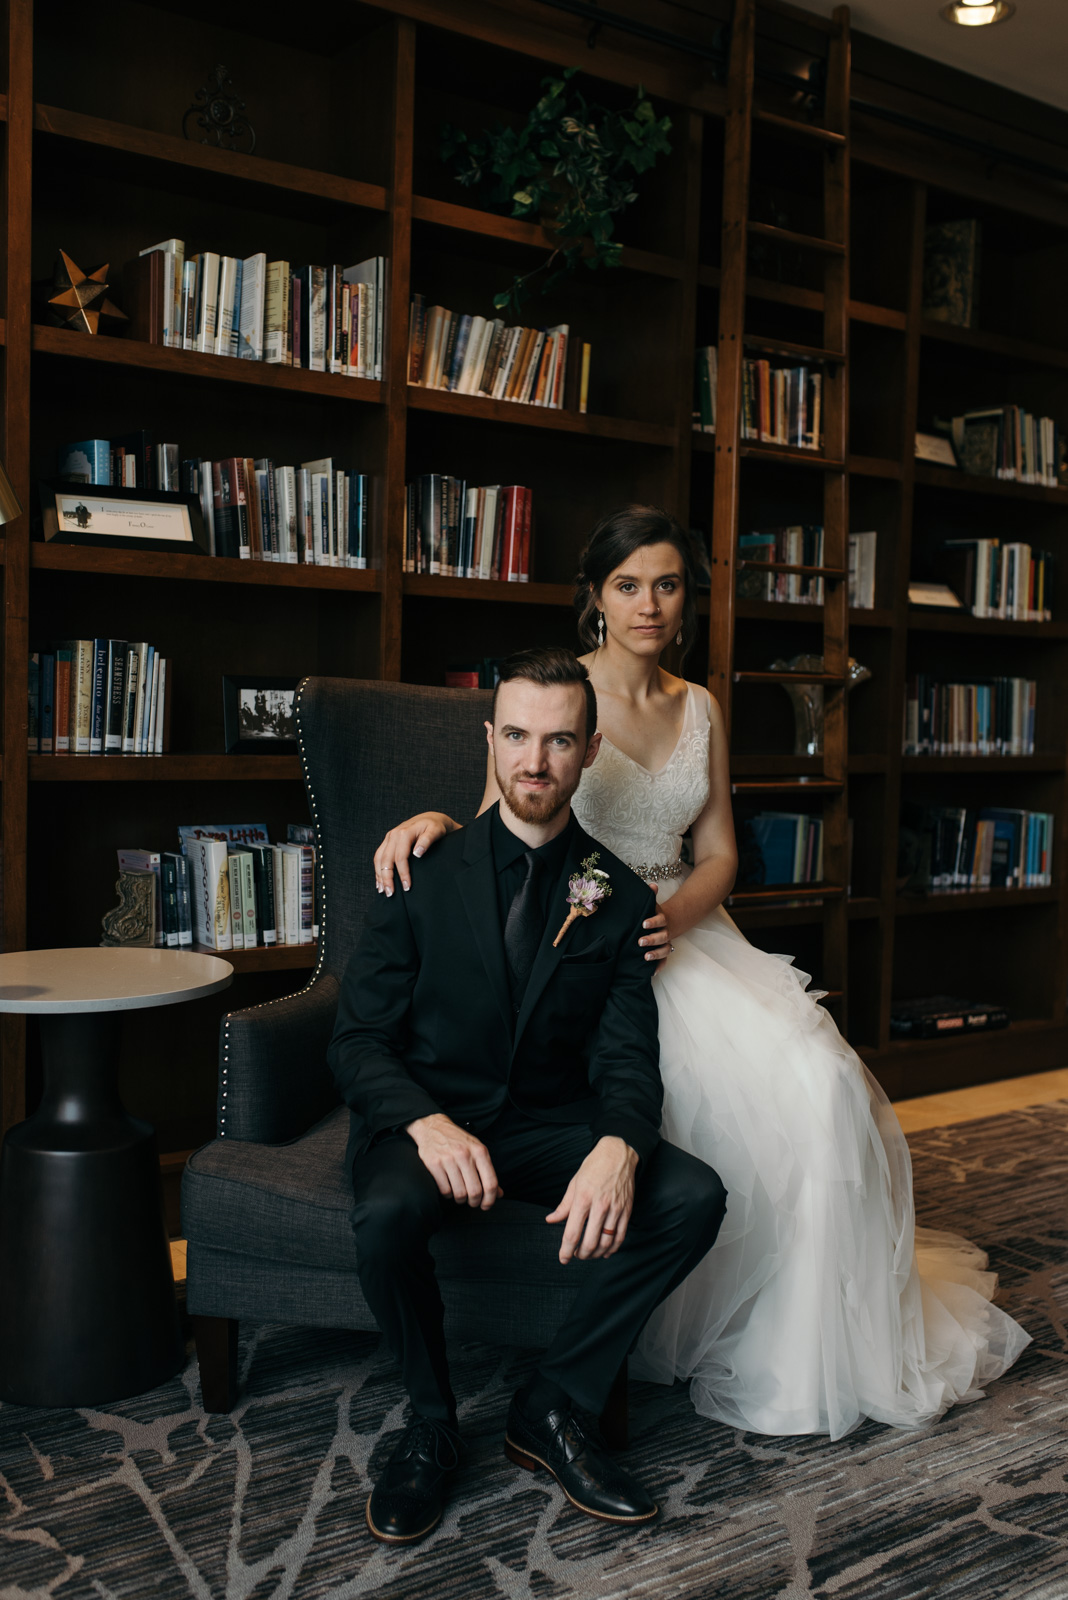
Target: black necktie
{"points": [[523, 930]]}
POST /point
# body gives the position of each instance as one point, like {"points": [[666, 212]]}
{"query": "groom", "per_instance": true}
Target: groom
{"points": [[481, 1056]]}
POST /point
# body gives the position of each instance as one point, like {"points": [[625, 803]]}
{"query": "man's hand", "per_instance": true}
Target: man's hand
{"points": [[598, 1202], [459, 1163]]}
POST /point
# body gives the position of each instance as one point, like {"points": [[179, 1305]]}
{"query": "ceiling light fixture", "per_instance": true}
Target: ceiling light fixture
{"points": [[978, 13]]}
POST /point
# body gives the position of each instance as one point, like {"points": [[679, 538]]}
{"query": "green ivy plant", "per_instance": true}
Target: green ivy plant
{"points": [[571, 165]]}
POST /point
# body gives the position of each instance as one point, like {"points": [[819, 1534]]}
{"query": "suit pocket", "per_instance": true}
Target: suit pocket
{"points": [[595, 953]]}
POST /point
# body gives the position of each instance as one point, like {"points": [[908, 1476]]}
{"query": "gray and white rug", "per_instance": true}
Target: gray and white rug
{"points": [[155, 1498]]}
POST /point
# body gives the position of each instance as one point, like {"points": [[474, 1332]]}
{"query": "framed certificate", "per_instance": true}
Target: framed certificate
{"points": [[137, 519]]}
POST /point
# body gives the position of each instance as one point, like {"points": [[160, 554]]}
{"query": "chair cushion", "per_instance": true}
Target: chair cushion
{"points": [[290, 1203]]}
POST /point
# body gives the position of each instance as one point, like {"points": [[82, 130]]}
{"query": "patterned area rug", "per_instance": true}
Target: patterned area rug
{"points": [[154, 1498]]}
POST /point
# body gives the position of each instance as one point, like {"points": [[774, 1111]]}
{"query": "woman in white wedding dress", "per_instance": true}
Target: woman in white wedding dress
{"points": [[821, 1303]]}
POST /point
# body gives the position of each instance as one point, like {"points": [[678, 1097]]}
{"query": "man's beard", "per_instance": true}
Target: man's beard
{"points": [[540, 807]]}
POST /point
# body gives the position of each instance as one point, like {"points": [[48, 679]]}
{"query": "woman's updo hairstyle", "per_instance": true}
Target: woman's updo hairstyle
{"points": [[612, 542]]}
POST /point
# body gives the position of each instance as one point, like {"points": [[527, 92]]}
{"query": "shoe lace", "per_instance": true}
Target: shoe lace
{"points": [[432, 1439]]}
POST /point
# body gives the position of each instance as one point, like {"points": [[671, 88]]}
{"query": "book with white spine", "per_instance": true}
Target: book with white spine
{"points": [[253, 304], [237, 903], [224, 318], [209, 889], [207, 301]]}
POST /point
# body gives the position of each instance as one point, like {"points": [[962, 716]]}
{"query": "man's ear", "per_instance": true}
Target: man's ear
{"points": [[591, 751], [489, 733]]}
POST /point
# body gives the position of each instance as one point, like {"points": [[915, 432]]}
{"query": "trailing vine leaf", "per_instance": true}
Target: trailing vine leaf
{"points": [[571, 166]]}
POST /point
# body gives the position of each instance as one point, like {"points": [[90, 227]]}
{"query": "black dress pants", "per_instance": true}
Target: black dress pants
{"points": [[678, 1207]]}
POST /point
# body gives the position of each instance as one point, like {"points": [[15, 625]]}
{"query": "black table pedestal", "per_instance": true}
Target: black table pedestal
{"points": [[87, 1305]]}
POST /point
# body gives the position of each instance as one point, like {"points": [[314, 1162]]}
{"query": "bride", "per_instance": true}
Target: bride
{"points": [[821, 1303]]}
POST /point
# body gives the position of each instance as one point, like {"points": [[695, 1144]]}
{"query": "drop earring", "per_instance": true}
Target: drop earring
{"points": [[600, 629], [678, 637]]}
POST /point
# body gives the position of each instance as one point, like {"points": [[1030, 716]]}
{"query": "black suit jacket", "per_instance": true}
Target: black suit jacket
{"points": [[425, 1022]]}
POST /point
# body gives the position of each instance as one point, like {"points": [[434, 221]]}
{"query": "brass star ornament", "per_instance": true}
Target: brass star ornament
{"points": [[82, 299]]}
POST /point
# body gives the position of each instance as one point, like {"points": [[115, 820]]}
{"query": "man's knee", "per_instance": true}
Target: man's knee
{"points": [[390, 1219], [709, 1198], [690, 1191]]}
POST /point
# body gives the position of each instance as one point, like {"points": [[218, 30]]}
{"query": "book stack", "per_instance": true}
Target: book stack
{"points": [[943, 1015], [783, 847], [1011, 581], [315, 513], [991, 848], [459, 531], [475, 355], [484, 674], [991, 718], [247, 892], [795, 547], [704, 394], [1008, 442], [324, 319], [99, 697], [782, 405]]}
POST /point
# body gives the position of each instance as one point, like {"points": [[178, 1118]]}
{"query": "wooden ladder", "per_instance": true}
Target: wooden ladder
{"points": [[831, 139]]}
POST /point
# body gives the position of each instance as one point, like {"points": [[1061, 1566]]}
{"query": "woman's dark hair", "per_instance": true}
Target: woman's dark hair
{"points": [[612, 542]]}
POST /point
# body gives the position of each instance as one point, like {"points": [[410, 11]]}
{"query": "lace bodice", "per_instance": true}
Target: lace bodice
{"points": [[640, 815]]}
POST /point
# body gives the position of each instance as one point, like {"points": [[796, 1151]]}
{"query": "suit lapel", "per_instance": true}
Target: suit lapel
{"points": [[477, 883], [547, 959]]}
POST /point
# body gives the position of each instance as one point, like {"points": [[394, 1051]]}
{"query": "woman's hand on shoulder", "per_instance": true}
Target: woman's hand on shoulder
{"points": [[656, 940], [413, 837]]}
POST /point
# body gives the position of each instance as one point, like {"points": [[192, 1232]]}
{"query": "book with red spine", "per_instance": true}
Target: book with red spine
{"points": [[527, 495]]}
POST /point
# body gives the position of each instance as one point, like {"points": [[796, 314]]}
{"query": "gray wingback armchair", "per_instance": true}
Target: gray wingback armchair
{"points": [[265, 1205]]}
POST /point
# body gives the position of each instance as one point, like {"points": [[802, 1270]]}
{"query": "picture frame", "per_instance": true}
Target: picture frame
{"points": [[258, 715], [114, 518]]}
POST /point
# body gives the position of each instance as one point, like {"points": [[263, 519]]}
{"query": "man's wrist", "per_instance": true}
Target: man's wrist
{"points": [[622, 1148]]}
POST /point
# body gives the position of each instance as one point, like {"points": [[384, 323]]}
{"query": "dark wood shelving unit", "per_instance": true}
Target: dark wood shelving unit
{"points": [[192, 364], [155, 564], [269, 958], [933, 477], [164, 769], [347, 166]]}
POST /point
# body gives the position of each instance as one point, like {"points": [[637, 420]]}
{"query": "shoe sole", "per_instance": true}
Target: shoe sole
{"points": [[398, 1538], [533, 1463]]}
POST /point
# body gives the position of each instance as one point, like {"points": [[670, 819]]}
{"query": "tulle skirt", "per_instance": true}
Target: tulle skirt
{"points": [[821, 1303]]}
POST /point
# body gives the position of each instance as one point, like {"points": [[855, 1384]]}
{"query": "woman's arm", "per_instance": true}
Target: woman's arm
{"points": [[416, 836], [714, 851]]}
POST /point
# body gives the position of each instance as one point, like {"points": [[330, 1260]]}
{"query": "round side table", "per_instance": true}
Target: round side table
{"points": [[87, 1305]]}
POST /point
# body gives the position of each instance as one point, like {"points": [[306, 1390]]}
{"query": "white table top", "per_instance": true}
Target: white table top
{"points": [[43, 981]]}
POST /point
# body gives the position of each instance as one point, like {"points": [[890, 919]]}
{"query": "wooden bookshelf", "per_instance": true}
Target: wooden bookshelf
{"points": [[347, 166]]}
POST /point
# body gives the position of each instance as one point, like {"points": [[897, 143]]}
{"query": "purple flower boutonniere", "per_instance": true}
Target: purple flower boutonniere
{"points": [[585, 891]]}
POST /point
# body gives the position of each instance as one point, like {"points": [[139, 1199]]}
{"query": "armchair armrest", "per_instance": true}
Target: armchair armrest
{"points": [[274, 1082]]}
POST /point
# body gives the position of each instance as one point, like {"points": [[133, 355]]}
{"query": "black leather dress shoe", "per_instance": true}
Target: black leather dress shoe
{"points": [[407, 1501], [587, 1475]]}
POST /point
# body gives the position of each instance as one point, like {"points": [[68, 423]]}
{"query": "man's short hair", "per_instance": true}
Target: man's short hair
{"points": [[548, 666]]}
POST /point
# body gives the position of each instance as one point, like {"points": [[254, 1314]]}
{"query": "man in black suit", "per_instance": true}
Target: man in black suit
{"points": [[479, 1055]]}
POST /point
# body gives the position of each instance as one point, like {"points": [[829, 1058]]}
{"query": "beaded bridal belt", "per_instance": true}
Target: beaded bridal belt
{"points": [[673, 869]]}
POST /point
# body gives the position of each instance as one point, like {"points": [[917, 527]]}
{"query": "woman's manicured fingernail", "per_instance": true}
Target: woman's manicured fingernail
{"points": [[418, 850]]}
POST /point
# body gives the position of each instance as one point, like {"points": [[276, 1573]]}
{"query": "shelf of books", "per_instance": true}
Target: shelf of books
{"points": [[386, 467]]}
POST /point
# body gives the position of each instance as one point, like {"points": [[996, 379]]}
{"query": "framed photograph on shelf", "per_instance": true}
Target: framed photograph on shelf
{"points": [[114, 518], [258, 716]]}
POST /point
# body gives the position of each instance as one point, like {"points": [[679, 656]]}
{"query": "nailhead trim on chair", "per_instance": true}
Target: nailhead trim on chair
{"points": [[322, 917]]}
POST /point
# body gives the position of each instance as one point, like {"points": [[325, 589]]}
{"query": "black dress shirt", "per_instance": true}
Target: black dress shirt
{"points": [[509, 854]]}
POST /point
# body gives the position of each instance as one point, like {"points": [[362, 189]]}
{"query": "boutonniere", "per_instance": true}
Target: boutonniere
{"points": [[585, 891]]}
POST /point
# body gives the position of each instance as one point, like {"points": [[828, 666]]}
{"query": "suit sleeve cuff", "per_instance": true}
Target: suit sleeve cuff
{"points": [[642, 1139], [396, 1115]]}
